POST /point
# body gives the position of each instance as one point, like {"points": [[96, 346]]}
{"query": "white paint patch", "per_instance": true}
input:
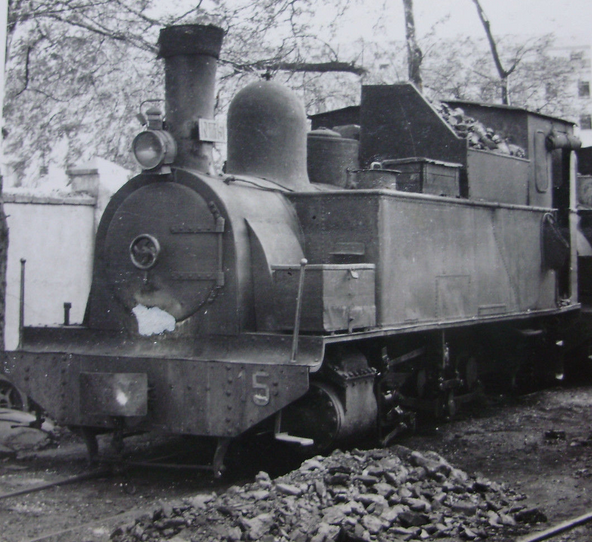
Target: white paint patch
{"points": [[153, 321], [121, 398]]}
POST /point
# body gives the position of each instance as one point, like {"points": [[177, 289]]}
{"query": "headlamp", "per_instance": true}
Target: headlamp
{"points": [[154, 148]]}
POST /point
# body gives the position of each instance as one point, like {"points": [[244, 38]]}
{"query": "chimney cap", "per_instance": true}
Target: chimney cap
{"points": [[190, 39]]}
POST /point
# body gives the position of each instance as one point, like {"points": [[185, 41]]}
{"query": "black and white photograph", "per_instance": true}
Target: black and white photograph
{"points": [[295, 271]]}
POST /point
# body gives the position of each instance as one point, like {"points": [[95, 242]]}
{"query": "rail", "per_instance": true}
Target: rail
{"points": [[557, 529], [71, 480]]}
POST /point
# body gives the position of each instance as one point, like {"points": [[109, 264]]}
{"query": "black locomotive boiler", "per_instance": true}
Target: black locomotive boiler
{"points": [[409, 266]]}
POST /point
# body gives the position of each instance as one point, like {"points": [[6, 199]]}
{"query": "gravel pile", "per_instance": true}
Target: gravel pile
{"points": [[387, 494], [476, 133]]}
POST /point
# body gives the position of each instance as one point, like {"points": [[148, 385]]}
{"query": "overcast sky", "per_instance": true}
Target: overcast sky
{"points": [[567, 19]]}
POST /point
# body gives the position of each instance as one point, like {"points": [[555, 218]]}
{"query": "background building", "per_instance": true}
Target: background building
{"points": [[580, 57]]}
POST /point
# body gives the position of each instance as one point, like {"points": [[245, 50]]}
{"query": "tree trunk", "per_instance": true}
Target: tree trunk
{"points": [[503, 74], [3, 260], [414, 54], [4, 4], [505, 93]]}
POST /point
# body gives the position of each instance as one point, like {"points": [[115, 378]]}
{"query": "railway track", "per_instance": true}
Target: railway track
{"points": [[53, 495], [76, 504], [92, 530], [558, 529], [97, 529]]}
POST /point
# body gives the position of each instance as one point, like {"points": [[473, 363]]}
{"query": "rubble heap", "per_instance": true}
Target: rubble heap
{"points": [[476, 133], [385, 495]]}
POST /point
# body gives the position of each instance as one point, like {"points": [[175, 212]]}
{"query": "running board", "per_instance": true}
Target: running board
{"points": [[284, 437]]}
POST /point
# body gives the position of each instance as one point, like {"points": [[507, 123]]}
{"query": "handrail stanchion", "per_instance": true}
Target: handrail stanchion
{"points": [[303, 264], [22, 305]]}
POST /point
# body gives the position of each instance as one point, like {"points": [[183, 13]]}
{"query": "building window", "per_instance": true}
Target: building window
{"points": [[586, 122], [576, 55], [584, 89], [550, 91]]}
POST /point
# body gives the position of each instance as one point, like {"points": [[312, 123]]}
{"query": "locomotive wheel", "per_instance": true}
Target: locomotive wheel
{"points": [[450, 405], [318, 416], [445, 407], [11, 397], [92, 445], [421, 383], [471, 374], [527, 377]]}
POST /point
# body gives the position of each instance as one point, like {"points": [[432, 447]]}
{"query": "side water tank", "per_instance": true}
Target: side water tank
{"points": [[267, 135], [330, 156]]}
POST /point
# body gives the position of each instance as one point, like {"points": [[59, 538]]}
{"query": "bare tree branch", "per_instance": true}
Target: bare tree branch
{"points": [[318, 67], [140, 15], [503, 74], [97, 63], [26, 76], [195, 9], [136, 41]]}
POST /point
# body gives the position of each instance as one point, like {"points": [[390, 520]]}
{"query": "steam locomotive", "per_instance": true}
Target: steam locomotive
{"points": [[329, 283]]}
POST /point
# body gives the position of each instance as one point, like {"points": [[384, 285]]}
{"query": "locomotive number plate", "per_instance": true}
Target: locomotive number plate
{"points": [[260, 388]]}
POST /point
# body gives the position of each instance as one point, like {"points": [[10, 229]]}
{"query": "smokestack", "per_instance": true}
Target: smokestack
{"points": [[190, 53]]}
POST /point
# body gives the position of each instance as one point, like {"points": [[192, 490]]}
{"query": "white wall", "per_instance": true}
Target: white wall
{"points": [[586, 137], [56, 237]]}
